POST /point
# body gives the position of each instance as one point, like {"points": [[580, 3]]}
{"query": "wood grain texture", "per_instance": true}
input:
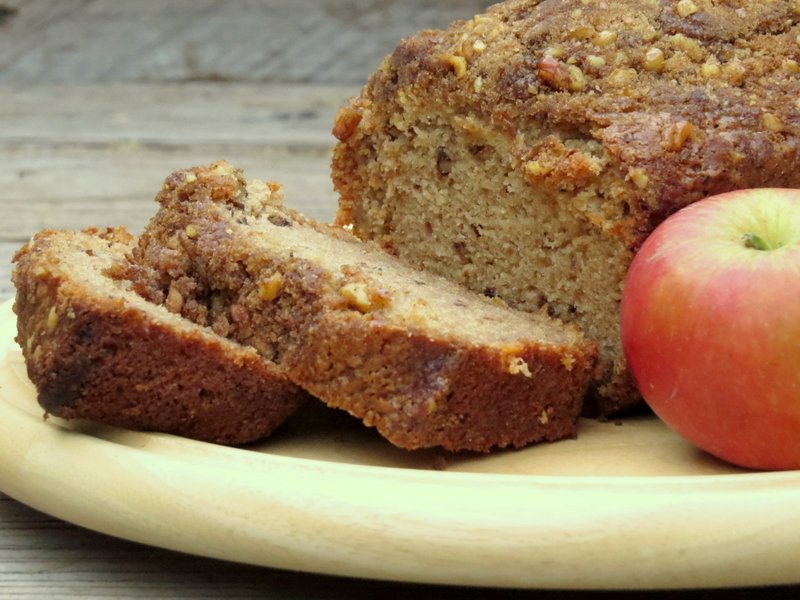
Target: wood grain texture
{"points": [[43, 557], [330, 41]]}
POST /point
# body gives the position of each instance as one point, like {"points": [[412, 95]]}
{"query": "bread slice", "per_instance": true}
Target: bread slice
{"points": [[96, 350], [424, 361], [530, 150]]}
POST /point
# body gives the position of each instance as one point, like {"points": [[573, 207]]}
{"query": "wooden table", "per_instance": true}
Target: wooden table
{"points": [[99, 101]]}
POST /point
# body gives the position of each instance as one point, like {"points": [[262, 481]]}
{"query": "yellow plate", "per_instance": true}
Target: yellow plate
{"points": [[624, 506]]}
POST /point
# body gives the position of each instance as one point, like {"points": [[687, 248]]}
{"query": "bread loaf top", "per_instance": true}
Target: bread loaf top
{"points": [[689, 98]]}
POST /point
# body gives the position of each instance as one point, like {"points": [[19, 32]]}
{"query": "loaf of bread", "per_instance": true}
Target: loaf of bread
{"points": [[96, 350], [527, 153], [424, 361]]}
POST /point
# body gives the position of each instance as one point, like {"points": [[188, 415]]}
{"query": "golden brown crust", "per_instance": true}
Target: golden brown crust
{"points": [[97, 351], [614, 113], [729, 70], [349, 323]]}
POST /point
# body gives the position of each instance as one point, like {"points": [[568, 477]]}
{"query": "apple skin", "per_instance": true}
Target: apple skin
{"points": [[711, 326]]}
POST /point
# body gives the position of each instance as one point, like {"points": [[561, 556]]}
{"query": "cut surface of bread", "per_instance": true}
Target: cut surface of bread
{"points": [[527, 152], [98, 351], [424, 361]]}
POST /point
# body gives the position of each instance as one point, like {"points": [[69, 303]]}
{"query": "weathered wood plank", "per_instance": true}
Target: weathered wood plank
{"points": [[237, 114], [42, 557], [331, 41], [80, 185], [7, 250]]}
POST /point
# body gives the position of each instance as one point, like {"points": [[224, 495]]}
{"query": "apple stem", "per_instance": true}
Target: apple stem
{"points": [[751, 240]]}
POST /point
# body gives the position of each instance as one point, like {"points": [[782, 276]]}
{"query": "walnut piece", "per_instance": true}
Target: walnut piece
{"points": [[458, 63], [605, 38], [346, 123], [561, 76], [685, 8], [269, 288], [654, 59]]}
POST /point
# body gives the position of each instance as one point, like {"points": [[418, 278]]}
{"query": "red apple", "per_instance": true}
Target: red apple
{"points": [[711, 325]]}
